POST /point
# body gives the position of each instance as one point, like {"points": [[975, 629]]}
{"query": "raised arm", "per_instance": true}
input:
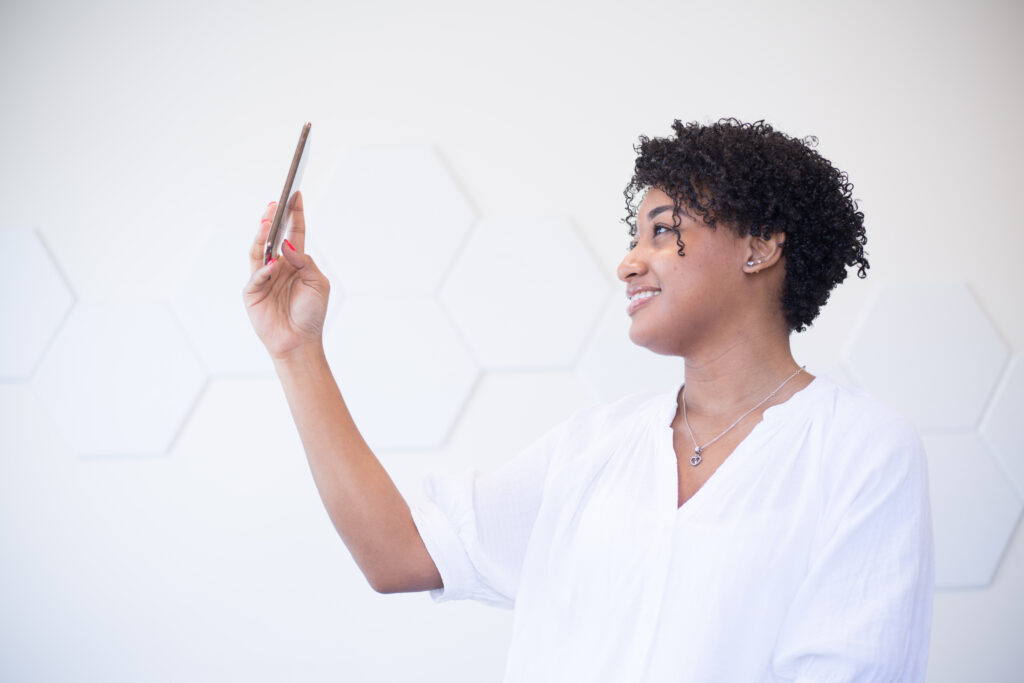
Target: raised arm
{"points": [[286, 301]]}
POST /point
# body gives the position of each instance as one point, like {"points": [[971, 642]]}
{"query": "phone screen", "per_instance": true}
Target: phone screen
{"points": [[281, 222]]}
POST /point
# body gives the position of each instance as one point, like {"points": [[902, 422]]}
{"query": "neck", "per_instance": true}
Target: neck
{"points": [[732, 379]]}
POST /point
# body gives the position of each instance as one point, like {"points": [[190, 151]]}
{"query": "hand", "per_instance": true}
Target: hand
{"points": [[287, 298]]}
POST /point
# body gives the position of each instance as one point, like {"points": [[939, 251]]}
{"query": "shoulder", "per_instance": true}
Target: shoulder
{"points": [[604, 425], [854, 417], [863, 440]]}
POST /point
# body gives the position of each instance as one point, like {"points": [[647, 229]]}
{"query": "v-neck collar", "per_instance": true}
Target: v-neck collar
{"points": [[668, 404], [666, 414]]}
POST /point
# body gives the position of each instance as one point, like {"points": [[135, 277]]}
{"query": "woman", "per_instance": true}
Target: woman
{"points": [[754, 524]]}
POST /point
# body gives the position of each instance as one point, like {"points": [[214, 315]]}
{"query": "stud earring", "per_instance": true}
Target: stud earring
{"points": [[750, 263]]}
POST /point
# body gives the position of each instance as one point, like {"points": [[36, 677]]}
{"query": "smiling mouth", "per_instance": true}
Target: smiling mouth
{"points": [[641, 298]]}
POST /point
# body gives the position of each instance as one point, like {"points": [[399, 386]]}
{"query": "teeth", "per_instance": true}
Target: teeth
{"points": [[646, 294]]}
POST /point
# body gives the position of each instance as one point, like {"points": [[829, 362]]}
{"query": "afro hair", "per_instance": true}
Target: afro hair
{"points": [[758, 181]]}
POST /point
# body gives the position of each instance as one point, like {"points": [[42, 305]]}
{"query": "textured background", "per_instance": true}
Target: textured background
{"points": [[157, 520]]}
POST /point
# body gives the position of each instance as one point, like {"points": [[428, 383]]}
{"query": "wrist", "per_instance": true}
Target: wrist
{"points": [[303, 355]]}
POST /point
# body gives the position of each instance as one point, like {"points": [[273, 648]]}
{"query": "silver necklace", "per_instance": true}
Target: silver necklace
{"points": [[697, 450]]}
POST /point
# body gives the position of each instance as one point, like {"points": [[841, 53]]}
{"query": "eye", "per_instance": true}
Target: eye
{"points": [[666, 228]]}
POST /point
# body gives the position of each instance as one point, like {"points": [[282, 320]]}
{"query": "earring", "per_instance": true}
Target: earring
{"points": [[750, 263]]}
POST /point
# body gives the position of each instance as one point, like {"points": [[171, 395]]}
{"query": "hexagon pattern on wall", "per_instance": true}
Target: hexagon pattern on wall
{"points": [[612, 366], [929, 351], [402, 369], [390, 218], [525, 292], [208, 302], [120, 379], [974, 509], [522, 294], [1002, 424], [34, 300], [508, 411]]}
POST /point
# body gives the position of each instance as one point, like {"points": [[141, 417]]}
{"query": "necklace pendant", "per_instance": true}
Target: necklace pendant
{"points": [[695, 459]]}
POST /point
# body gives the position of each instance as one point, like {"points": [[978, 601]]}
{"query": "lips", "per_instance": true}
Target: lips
{"points": [[641, 297]]}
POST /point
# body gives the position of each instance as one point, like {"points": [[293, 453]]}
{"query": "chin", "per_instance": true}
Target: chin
{"points": [[655, 343]]}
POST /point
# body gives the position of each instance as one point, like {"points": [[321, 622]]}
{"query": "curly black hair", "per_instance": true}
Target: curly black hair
{"points": [[759, 181]]}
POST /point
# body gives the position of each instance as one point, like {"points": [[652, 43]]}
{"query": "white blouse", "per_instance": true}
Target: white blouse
{"points": [[806, 556]]}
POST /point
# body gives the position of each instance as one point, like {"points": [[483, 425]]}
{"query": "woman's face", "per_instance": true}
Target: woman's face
{"points": [[699, 295]]}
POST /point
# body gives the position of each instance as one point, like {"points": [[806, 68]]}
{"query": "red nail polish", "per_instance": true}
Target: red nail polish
{"points": [[289, 245], [271, 261]]}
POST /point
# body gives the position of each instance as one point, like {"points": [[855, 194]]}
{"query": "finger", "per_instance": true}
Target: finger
{"points": [[259, 282], [296, 258], [308, 272], [258, 245], [297, 231]]}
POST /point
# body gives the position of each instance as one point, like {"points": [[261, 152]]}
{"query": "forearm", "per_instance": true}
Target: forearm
{"points": [[363, 503]]}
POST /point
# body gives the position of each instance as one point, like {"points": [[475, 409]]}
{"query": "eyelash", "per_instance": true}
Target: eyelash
{"points": [[666, 228]]}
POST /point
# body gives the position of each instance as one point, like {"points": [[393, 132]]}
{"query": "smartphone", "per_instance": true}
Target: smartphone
{"points": [[281, 222]]}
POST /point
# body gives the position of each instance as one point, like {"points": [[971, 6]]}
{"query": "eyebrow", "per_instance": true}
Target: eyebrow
{"points": [[658, 210]]}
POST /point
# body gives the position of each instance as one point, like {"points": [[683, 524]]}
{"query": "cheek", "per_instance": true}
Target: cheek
{"points": [[715, 268], [689, 275], [699, 285]]}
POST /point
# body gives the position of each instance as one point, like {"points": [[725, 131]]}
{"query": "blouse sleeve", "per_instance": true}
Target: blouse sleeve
{"points": [[476, 526], [863, 612]]}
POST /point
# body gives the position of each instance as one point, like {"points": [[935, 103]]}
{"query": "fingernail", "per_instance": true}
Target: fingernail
{"points": [[289, 245], [271, 261]]}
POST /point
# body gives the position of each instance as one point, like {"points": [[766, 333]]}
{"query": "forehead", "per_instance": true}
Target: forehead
{"points": [[656, 203], [654, 197]]}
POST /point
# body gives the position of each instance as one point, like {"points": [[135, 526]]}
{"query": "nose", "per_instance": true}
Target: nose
{"points": [[632, 265]]}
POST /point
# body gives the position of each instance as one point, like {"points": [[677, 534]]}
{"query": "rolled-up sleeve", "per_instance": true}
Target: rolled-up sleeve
{"points": [[863, 613], [476, 526]]}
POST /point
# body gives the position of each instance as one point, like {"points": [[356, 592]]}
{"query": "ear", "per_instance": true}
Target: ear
{"points": [[763, 252]]}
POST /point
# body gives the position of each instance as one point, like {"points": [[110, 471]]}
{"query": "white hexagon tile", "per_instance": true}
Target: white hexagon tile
{"points": [[401, 367], [974, 509], [820, 347], [929, 351], [1002, 426], [34, 300], [525, 292], [508, 411], [119, 379], [612, 366], [208, 302], [390, 218]]}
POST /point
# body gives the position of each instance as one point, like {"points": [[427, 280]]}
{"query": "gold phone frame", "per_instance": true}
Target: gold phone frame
{"points": [[283, 210]]}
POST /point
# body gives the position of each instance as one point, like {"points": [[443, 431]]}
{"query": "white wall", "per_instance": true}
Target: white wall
{"points": [[175, 534]]}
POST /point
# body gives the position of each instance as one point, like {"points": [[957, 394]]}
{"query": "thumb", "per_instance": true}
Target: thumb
{"points": [[300, 261]]}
